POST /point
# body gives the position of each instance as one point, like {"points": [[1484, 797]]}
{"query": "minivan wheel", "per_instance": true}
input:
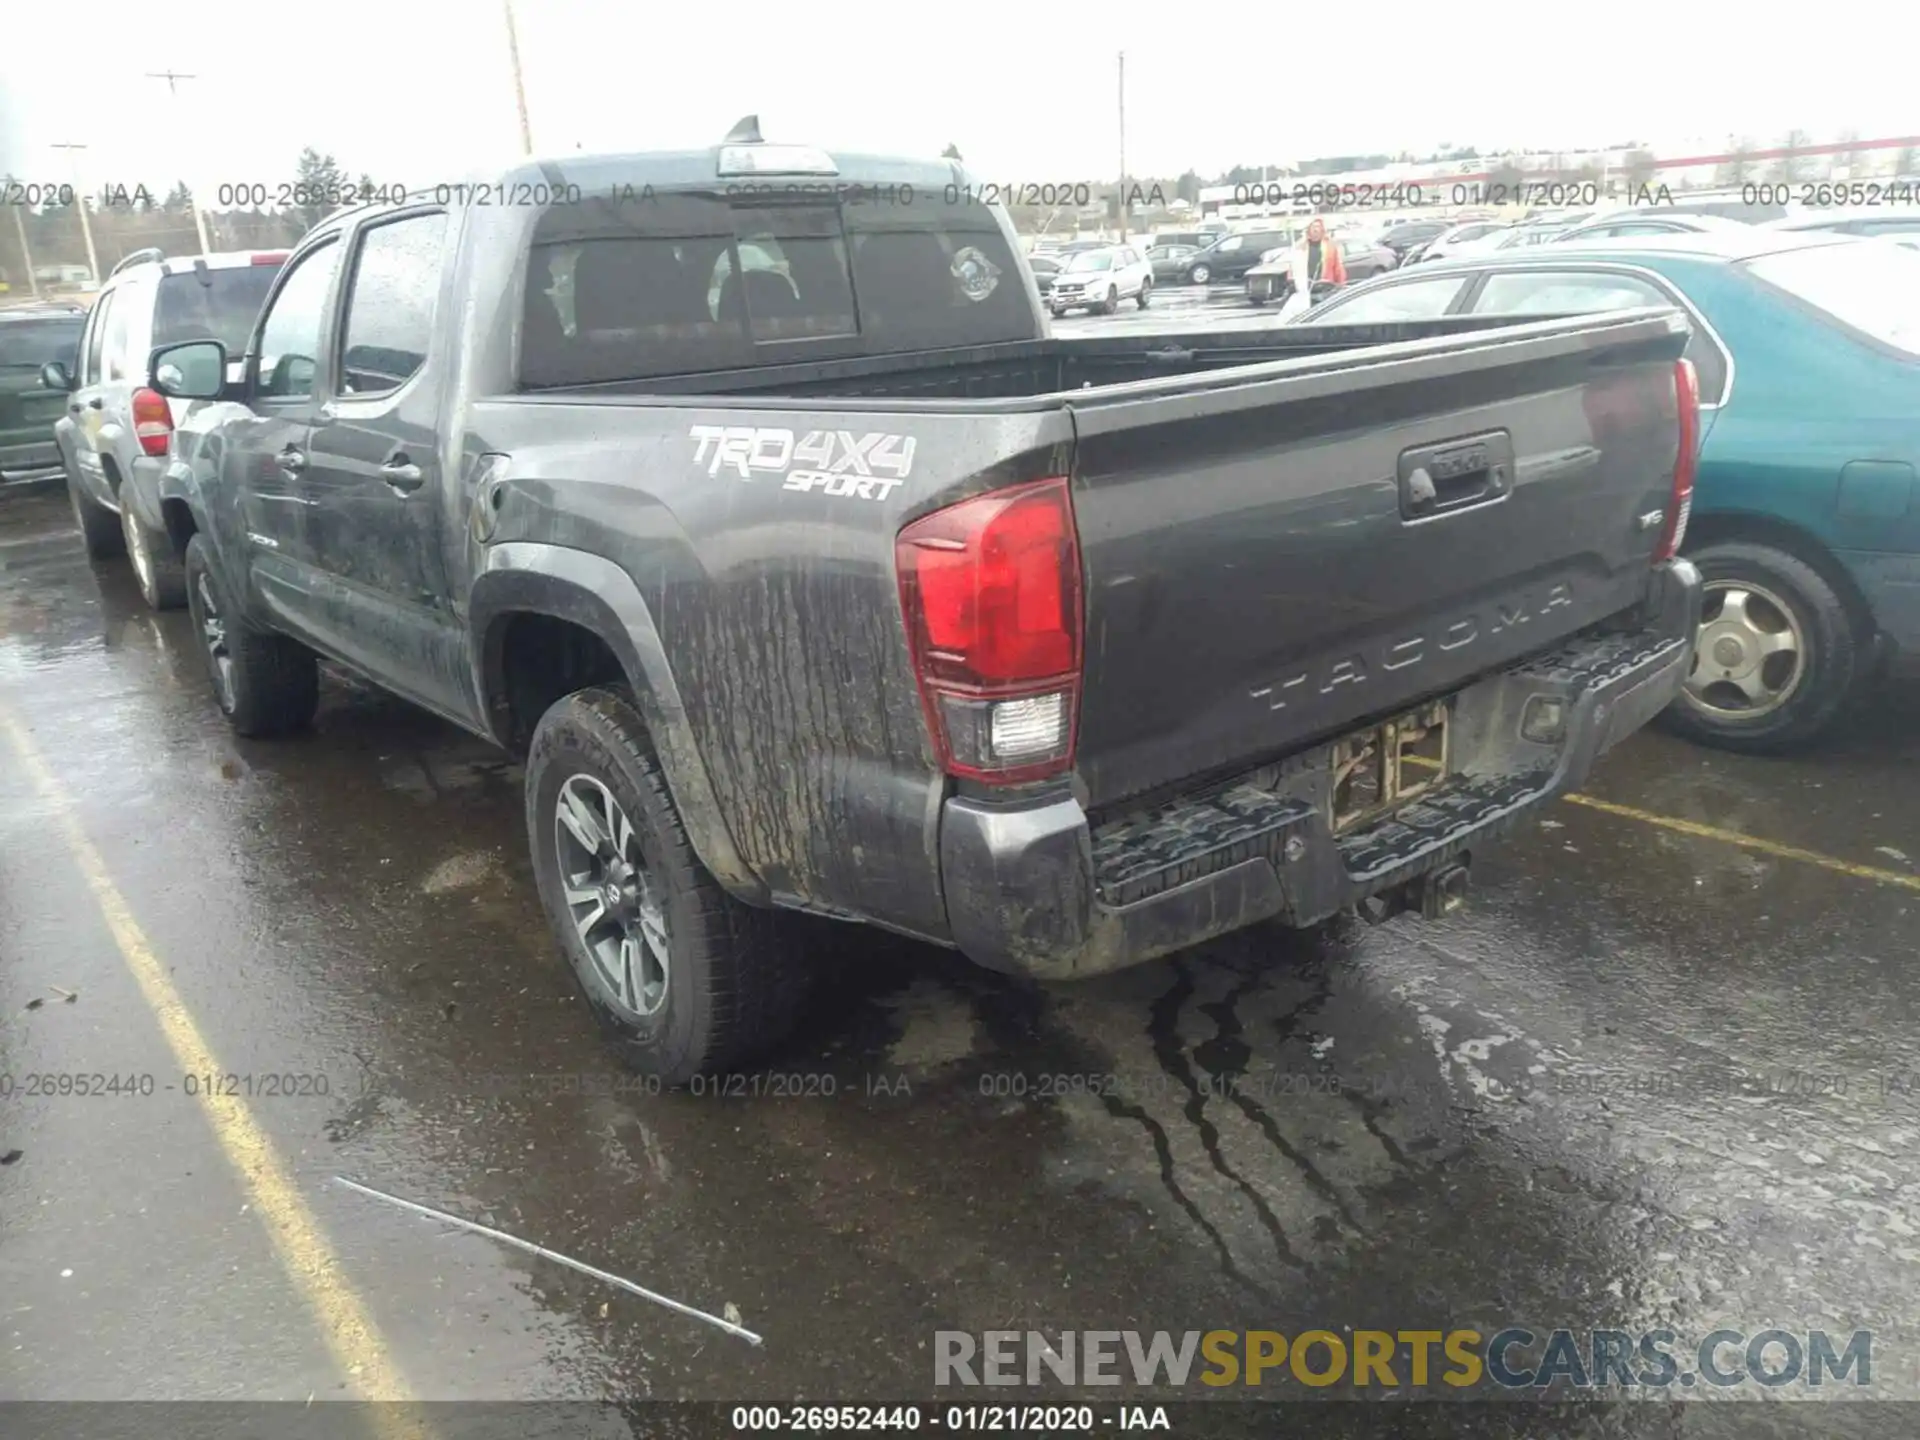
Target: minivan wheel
{"points": [[683, 978], [1775, 656], [99, 526], [265, 684], [158, 571], [1199, 275]]}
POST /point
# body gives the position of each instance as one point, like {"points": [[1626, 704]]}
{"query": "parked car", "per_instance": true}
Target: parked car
{"points": [[1272, 279], [1904, 221], [1100, 279], [1806, 514], [855, 592], [1448, 241], [113, 438], [1231, 256], [1045, 268], [1626, 224], [1169, 262], [30, 337], [1409, 234]]}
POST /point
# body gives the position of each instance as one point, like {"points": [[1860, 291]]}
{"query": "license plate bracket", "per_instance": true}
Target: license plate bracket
{"points": [[1383, 767]]}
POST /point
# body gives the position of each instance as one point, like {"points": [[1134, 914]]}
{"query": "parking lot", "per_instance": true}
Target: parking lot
{"points": [[1662, 1071]]}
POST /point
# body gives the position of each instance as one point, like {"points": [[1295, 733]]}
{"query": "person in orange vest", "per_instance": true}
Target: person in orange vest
{"points": [[1316, 261]]}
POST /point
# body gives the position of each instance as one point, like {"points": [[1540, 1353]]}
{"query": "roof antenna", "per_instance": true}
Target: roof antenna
{"points": [[746, 131]]}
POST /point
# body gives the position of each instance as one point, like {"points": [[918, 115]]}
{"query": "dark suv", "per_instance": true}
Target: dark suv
{"points": [[30, 336], [1231, 256]]}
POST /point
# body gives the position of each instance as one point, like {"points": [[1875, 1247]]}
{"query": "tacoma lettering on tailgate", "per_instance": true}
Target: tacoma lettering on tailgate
{"points": [[1327, 675], [834, 462]]}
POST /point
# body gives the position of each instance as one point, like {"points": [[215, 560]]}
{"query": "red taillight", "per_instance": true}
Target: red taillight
{"points": [[152, 421], [1686, 390], [990, 589], [276, 257]]}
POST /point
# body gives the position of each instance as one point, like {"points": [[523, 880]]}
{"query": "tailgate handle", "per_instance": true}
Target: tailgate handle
{"points": [[1455, 475]]}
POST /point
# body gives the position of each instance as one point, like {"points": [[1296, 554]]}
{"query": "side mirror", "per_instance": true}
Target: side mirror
{"points": [[54, 376], [193, 370]]}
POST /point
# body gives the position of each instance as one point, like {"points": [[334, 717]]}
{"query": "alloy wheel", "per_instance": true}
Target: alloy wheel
{"points": [[611, 896], [1749, 655], [213, 638]]}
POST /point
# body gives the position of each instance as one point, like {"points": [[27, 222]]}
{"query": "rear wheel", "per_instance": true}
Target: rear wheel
{"points": [[99, 526], [683, 978], [161, 576], [1775, 656], [265, 684]]}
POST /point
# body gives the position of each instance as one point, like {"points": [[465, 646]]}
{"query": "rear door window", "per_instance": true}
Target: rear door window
{"points": [[29, 344]]}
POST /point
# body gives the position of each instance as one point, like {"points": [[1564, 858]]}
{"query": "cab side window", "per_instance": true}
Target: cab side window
{"points": [[294, 325]]}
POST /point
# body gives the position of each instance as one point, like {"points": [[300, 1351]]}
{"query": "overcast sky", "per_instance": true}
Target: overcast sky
{"points": [[418, 91]]}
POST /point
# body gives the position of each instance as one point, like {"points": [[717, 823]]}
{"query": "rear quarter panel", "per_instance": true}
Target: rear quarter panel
{"points": [[778, 610]]}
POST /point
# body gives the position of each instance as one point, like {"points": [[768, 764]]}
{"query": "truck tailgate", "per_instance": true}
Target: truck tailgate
{"points": [[1272, 561]]}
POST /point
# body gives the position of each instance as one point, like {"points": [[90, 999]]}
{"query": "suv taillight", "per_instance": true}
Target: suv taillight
{"points": [[990, 589], [1686, 390], [152, 421]]}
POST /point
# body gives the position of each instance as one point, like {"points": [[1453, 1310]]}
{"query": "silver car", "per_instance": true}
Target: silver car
{"points": [[114, 435]]}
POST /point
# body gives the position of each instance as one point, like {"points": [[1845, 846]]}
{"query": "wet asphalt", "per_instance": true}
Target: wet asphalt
{"points": [[1647, 1078]]}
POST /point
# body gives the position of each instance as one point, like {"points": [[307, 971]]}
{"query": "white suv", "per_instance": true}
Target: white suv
{"points": [[1100, 279], [113, 437]]}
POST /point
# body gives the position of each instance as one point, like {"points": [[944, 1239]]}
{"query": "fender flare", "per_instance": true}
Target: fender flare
{"points": [[594, 593]]}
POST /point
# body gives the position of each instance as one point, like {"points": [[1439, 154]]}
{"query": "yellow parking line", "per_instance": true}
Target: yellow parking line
{"points": [[302, 1247], [1749, 842]]}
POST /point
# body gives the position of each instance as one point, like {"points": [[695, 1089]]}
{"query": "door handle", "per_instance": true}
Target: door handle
{"points": [[401, 474], [291, 460]]}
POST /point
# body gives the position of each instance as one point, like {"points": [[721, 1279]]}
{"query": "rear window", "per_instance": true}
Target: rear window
{"points": [[688, 282], [211, 305], [32, 343], [1872, 287]]}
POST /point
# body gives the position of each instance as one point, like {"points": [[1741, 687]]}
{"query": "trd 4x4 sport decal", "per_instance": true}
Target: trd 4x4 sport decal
{"points": [[834, 462]]}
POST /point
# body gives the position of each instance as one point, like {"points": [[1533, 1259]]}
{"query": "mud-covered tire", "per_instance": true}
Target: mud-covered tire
{"points": [[99, 526], [734, 980], [271, 684], [1832, 656], [157, 569]]}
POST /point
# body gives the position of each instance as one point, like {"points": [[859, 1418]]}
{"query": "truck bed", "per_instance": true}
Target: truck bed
{"points": [[1040, 370], [1257, 571]]}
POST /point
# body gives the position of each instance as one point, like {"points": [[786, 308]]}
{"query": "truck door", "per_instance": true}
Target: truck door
{"points": [[378, 505], [265, 460]]}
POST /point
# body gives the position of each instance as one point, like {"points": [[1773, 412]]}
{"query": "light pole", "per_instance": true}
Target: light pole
{"points": [[80, 199], [1123, 147], [193, 200], [26, 252], [519, 89]]}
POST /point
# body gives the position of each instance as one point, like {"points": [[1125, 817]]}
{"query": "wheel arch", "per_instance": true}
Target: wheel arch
{"points": [[1713, 526], [596, 596]]}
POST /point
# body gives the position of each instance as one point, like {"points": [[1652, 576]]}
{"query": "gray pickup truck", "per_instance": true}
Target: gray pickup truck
{"points": [[746, 492]]}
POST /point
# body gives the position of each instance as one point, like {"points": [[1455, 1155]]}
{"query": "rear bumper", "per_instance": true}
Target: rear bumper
{"points": [[1035, 889]]}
